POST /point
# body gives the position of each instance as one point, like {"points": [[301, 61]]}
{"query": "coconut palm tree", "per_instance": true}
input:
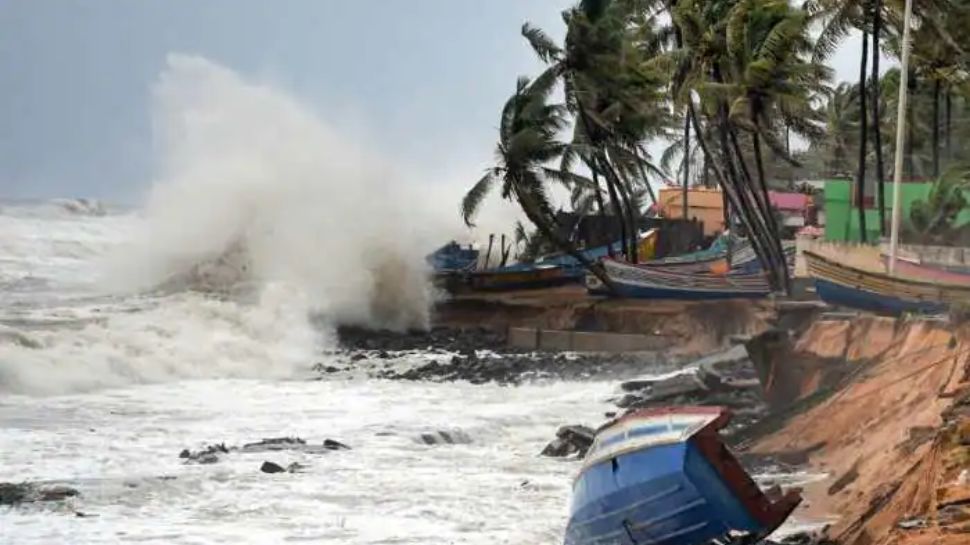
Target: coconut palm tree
{"points": [[528, 143], [617, 103], [702, 66]]}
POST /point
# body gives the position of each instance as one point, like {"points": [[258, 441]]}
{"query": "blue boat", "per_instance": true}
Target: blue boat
{"points": [[847, 286], [452, 258], [639, 282], [663, 477]]}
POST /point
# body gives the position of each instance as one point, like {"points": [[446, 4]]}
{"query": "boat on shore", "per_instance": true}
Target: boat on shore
{"points": [[519, 277], [844, 285], [640, 282], [663, 476]]}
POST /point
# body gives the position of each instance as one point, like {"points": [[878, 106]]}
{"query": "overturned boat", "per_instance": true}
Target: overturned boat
{"points": [[663, 477]]}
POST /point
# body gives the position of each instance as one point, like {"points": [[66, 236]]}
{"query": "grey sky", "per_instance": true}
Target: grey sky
{"points": [[423, 80]]}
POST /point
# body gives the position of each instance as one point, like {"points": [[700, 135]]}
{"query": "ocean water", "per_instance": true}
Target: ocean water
{"points": [[101, 392]]}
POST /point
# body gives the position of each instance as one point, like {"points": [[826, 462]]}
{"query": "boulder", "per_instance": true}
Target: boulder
{"points": [[570, 440], [270, 467], [17, 493], [331, 444], [443, 437], [274, 444]]}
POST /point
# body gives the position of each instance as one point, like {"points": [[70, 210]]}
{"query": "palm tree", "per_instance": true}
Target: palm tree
{"points": [[528, 131], [703, 66], [617, 104]]}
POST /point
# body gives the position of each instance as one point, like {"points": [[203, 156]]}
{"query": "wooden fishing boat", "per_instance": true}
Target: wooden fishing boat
{"points": [[844, 285], [663, 476], [641, 282], [518, 277]]}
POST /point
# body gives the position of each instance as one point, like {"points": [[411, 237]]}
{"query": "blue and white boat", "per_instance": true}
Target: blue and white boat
{"points": [[663, 477]]}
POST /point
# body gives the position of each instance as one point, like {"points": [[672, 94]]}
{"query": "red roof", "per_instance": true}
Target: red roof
{"points": [[789, 201]]}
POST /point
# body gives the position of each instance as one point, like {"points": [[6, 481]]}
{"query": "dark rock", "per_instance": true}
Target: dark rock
{"points": [[331, 444], [570, 440], [295, 467], [208, 455], [270, 467], [17, 493], [274, 444], [55, 493], [12, 494], [442, 437], [83, 515], [675, 386]]}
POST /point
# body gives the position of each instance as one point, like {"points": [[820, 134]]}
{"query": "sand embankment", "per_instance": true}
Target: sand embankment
{"points": [[882, 406]]}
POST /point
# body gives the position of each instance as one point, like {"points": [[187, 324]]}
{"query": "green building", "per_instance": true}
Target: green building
{"points": [[842, 217]]}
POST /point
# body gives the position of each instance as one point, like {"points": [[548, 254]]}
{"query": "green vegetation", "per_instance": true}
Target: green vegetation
{"points": [[738, 79]]}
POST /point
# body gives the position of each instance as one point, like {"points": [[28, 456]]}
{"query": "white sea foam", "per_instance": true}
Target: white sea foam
{"points": [[255, 197], [249, 171]]}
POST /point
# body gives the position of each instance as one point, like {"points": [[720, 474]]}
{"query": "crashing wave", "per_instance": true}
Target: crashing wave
{"points": [[82, 207]]}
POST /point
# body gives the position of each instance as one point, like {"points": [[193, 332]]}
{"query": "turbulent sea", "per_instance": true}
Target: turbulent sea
{"points": [[101, 392]]}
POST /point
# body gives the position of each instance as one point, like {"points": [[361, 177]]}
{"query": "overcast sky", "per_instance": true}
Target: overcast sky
{"points": [[422, 80]]}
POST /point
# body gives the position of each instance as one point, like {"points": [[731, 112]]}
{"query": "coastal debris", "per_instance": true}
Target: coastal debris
{"points": [[570, 440], [17, 493], [213, 453]]}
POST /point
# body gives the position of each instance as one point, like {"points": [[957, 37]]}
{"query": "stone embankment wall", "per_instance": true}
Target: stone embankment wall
{"points": [[565, 316]]}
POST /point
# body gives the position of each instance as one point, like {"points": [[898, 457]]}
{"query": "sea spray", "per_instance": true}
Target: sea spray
{"points": [[249, 172], [262, 223]]}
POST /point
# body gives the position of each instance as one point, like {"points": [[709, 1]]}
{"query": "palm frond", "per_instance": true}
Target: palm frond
{"points": [[544, 47]]}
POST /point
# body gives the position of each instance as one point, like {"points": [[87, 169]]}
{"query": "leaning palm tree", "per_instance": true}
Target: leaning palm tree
{"points": [[617, 104], [770, 82], [528, 143]]}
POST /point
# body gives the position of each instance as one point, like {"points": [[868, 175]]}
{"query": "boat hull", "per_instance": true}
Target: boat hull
{"points": [[637, 282], [845, 296], [519, 279], [844, 285], [663, 476], [667, 495]]}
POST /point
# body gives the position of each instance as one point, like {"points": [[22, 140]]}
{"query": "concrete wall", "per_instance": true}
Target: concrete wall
{"points": [[942, 255], [527, 338]]}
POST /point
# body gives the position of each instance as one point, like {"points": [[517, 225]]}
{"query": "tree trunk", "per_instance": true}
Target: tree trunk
{"points": [[761, 203], [759, 162], [488, 253], [730, 192], [742, 201], [877, 115], [626, 199], [860, 183], [534, 213], [615, 204], [685, 190], [948, 156], [936, 129], [599, 160], [602, 207], [640, 155]]}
